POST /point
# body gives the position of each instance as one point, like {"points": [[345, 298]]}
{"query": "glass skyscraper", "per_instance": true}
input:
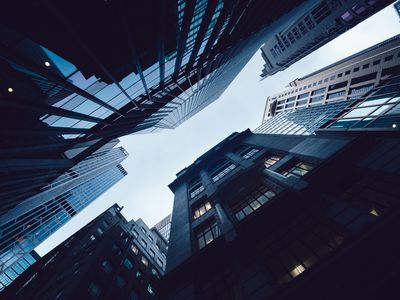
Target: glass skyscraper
{"points": [[144, 67], [35, 219], [360, 91]]}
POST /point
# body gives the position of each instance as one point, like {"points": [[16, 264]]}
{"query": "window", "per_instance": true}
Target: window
{"points": [[297, 169], [339, 75], [159, 262], [151, 238], [390, 57], [99, 231], [92, 237], [134, 249], [207, 234], [249, 153], [365, 66], [143, 229], [271, 160], [201, 210], [120, 281], [94, 290], [347, 72], [196, 190], [139, 275], [105, 224], [115, 249], [128, 263], [332, 77], [154, 272], [222, 171], [152, 253], [252, 202], [135, 233], [376, 62], [107, 267], [356, 69], [150, 289], [144, 261], [143, 242]]}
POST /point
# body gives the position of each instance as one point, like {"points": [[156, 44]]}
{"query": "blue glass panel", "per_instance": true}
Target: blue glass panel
{"points": [[108, 92], [87, 107], [64, 66], [65, 122]]}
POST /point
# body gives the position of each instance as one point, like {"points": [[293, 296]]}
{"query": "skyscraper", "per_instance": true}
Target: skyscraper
{"points": [[77, 83], [287, 217], [28, 224], [164, 227], [321, 22], [330, 92], [103, 260]]}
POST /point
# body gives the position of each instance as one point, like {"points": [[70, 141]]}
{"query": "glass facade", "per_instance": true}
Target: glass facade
{"points": [[30, 223]]}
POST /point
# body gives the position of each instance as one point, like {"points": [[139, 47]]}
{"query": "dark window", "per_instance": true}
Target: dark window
{"points": [[128, 263], [107, 267], [201, 209], [390, 57], [347, 72], [251, 203], [339, 75], [365, 66], [207, 233], [143, 242], [120, 281], [160, 263], [337, 85], [94, 290], [356, 69], [297, 168], [376, 62], [363, 78], [332, 77]]}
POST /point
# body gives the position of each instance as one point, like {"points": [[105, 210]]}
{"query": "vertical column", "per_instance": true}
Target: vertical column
{"points": [[227, 228]]}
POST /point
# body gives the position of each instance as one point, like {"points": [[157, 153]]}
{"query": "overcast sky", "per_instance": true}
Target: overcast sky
{"points": [[156, 158]]}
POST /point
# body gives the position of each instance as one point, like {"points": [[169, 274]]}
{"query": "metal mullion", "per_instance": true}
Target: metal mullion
{"points": [[86, 49], [53, 77]]}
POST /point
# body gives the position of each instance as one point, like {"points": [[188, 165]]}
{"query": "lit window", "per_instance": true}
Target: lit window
{"points": [[107, 267], [207, 234], [150, 290], [128, 264], [271, 160], [297, 169], [94, 290], [92, 237], [196, 190], [201, 210], [154, 272], [143, 229], [252, 202], [297, 270], [139, 275], [134, 249], [223, 171], [249, 153], [99, 231], [144, 261]]}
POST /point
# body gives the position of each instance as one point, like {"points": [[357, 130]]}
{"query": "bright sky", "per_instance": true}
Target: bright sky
{"points": [[156, 158]]}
